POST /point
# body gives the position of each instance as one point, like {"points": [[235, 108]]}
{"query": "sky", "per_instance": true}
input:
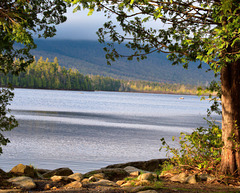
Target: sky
{"points": [[80, 26]]}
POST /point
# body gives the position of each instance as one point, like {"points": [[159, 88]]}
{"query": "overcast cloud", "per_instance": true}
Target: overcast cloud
{"points": [[80, 26]]}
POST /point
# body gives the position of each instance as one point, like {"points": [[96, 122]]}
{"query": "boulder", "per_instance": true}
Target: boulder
{"points": [[131, 169], [76, 176], [25, 170], [206, 177], [24, 182], [42, 171], [2, 173], [151, 165], [191, 179], [104, 183], [147, 176], [99, 175], [58, 172], [60, 178], [182, 177], [112, 174], [73, 185]]}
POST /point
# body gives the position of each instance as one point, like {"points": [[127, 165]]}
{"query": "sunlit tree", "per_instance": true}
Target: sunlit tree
{"points": [[20, 21], [204, 31]]}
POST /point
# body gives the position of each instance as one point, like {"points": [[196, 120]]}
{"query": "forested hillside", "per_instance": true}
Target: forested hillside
{"points": [[89, 58], [43, 74]]}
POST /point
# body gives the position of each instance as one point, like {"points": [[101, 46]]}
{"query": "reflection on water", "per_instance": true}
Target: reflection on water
{"points": [[93, 129]]}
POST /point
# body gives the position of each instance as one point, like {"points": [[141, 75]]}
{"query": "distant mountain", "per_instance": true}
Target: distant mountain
{"points": [[89, 58]]}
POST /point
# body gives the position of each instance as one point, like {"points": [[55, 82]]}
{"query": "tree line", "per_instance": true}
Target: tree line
{"points": [[43, 74]]}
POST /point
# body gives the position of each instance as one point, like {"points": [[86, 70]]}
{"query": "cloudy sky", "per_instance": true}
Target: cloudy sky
{"points": [[80, 26]]}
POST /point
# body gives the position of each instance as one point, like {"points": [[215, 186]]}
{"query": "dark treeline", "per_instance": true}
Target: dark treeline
{"points": [[50, 75]]}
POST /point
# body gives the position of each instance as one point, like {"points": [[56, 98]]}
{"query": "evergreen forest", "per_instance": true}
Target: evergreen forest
{"points": [[43, 74]]}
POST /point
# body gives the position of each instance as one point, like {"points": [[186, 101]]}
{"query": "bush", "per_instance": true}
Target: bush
{"points": [[200, 150]]}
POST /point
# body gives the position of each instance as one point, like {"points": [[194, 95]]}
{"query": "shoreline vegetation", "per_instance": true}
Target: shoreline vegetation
{"points": [[43, 74]]}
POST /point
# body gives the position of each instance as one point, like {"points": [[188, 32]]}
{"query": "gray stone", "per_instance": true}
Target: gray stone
{"points": [[24, 182], [206, 177], [73, 185], [58, 172], [179, 178], [76, 176], [112, 174], [151, 165], [25, 170], [130, 169], [42, 171]]}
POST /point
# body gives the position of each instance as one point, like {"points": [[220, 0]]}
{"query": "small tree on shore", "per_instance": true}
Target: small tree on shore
{"points": [[20, 20], [204, 31]]}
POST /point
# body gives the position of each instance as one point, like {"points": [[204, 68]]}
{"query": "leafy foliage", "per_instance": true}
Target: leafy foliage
{"points": [[19, 21], [196, 30], [6, 122], [199, 150]]}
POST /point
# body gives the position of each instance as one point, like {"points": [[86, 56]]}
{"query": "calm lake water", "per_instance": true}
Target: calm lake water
{"points": [[90, 130]]}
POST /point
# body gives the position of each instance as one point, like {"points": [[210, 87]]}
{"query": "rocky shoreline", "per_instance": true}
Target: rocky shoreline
{"points": [[141, 177]]}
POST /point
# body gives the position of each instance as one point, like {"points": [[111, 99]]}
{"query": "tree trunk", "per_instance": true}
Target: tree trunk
{"points": [[230, 79]]}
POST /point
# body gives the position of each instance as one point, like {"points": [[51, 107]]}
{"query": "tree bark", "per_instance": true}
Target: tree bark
{"points": [[230, 79]]}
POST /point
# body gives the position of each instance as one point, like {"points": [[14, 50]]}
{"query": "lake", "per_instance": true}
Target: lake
{"points": [[89, 130]]}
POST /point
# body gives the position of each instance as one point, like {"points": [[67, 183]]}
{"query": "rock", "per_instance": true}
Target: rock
{"points": [[206, 177], [127, 184], [10, 190], [191, 179], [135, 174], [2, 173], [59, 178], [112, 174], [148, 191], [120, 182], [147, 176], [105, 183], [150, 165], [58, 172], [93, 179], [24, 182], [143, 183], [130, 169], [42, 171], [179, 178], [85, 181], [134, 189], [76, 176], [47, 187], [73, 185], [25, 170], [99, 176]]}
